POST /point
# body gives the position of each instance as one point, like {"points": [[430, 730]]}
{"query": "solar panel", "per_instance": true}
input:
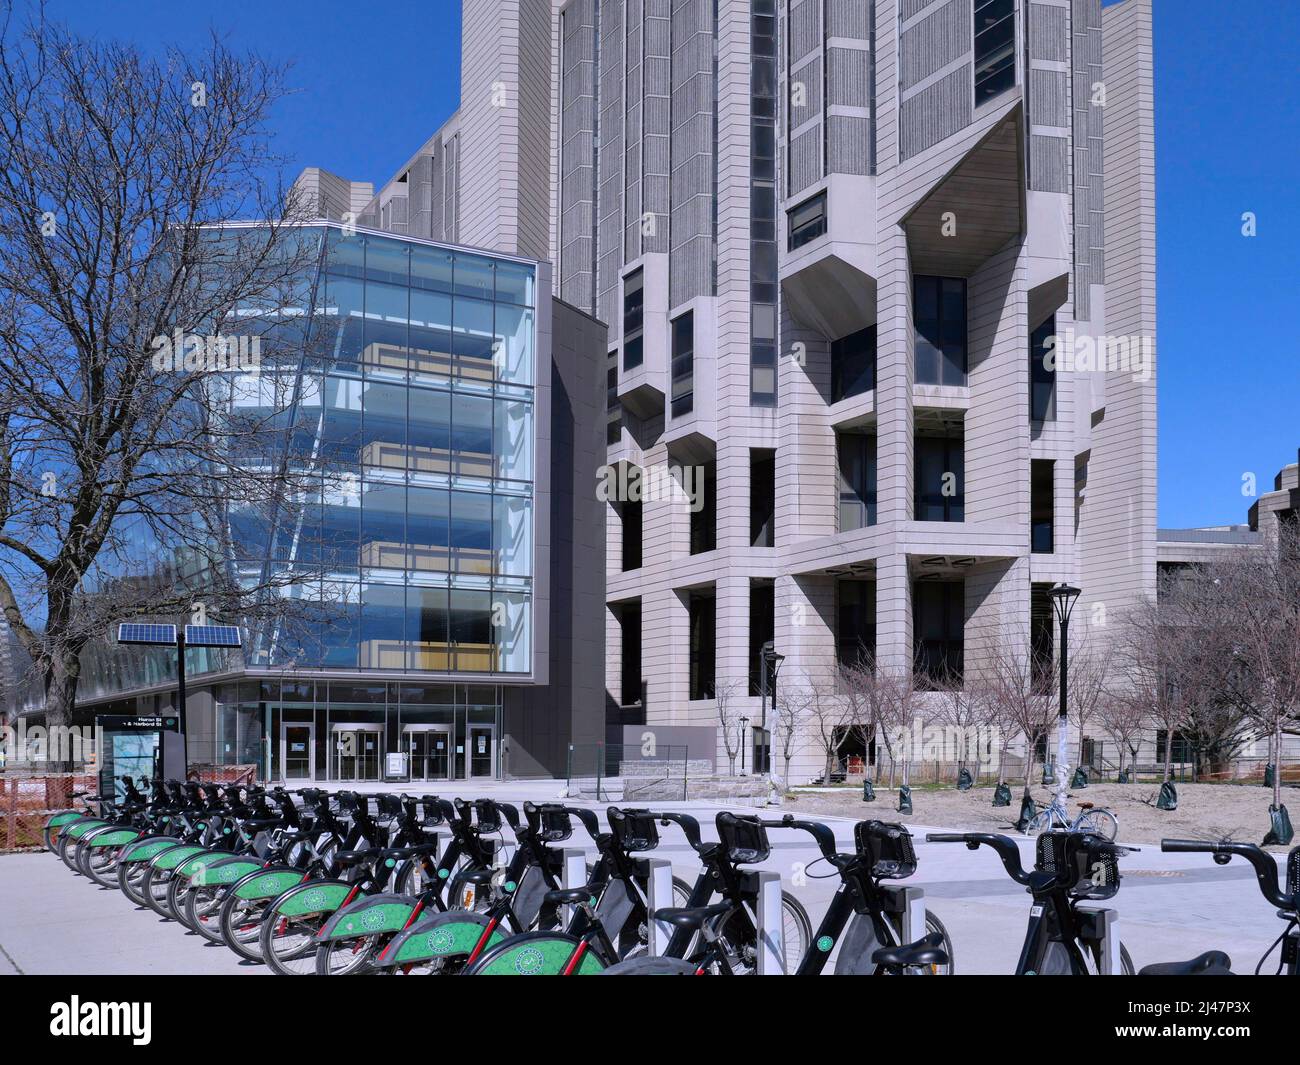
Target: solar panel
{"points": [[146, 632], [212, 636]]}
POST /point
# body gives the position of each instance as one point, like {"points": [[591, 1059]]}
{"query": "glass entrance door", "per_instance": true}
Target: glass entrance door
{"points": [[430, 754], [482, 751], [297, 751], [357, 753]]}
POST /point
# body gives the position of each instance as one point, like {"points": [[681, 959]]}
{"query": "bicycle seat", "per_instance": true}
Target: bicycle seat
{"points": [[694, 917], [569, 896], [1085, 805], [477, 876], [1211, 963], [927, 951], [355, 857]]}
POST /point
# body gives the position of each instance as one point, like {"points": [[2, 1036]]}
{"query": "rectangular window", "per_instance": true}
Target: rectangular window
{"points": [[1042, 379], [762, 629], [613, 408], [1042, 630], [938, 621], [1041, 540], [857, 461], [762, 497], [704, 506], [703, 643], [1179, 751], [940, 475], [629, 620], [631, 513], [633, 307], [683, 364], [807, 221], [995, 48], [855, 623], [939, 317], [853, 364]]}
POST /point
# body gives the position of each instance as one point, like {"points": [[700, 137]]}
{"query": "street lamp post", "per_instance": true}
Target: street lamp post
{"points": [[1063, 598], [743, 722], [767, 659]]}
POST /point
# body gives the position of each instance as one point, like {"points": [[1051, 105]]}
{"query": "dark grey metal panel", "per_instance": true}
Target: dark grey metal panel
{"points": [[936, 112], [1049, 163], [937, 40]]}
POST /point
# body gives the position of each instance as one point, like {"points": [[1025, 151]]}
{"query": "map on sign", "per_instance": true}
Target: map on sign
{"points": [[212, 636], [146, 632]]}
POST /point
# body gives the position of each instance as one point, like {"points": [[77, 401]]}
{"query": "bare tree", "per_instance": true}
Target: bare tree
{"points": [[791, 711], [726, 700], [963, 710], [1012, 685], [1146, 667], [878, 702], [1087, 672], [1123, 719], [125, 464]]}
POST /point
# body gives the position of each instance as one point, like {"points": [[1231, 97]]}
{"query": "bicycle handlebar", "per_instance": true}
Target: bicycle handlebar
{"points": [[1265, 867], [588, 818], [821, 833], [689, 825], [1004, 846]]}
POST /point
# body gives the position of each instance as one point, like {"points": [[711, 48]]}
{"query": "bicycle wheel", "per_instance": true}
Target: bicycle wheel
{"points": [[241, 925], [347, 957], [1125, 962], [1039, 823], [738, 935], [131, 878], [1100, 822], [100, 864], [203, 911], [289, 943]]}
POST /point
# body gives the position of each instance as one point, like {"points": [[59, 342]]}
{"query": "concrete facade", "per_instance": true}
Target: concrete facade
{"points": [[688, 143]]}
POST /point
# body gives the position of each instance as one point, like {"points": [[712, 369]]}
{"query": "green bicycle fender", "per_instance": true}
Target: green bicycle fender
{"points": [[225, 871], [439, 935], [113, 837], [173, 856], [268, 884], [535, 954], [315, 896], [80, 828], [369, 915], [190, 866], [144, 849], [62, 818]]}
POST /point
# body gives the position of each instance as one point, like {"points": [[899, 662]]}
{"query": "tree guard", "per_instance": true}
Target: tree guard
{"points": [[1080, 778], [964, 780], [1270, 771], [1168, 796], [1123, 777], [1049, 773], [868, 791], [905, 798], [1028, 811], [1002, 794], [1280, 833]]}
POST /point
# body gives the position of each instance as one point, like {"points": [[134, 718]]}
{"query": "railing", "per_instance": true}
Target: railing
{"points": [[610, 772]]}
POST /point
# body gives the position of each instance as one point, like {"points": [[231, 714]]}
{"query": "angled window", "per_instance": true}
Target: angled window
{"points": [[1041, 540], [683, 364], [939, 478], [938, 630], [633, 305], [853, 364], [807, 221], [995, 48], [1042, 379], [857, 458]]}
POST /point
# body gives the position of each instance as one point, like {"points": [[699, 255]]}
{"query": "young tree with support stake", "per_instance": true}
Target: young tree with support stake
{"points": [[121, 471]]}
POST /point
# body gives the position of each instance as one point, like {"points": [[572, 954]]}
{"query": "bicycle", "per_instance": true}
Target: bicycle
{"points": [[1215, 962], [875, 943], [1071, 867], [1092, 819]]}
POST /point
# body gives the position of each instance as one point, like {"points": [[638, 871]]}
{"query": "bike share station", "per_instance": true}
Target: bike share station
{"points": [[147, 745]]}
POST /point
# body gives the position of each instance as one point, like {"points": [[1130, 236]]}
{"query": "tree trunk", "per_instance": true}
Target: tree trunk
{"points": [[1277, 764], [60, 702], [786, 781], [1169, 754]]}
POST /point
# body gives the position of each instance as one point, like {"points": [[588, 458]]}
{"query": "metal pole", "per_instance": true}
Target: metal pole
{"points": [[180, 710], [1062, 726], [762, 701]]}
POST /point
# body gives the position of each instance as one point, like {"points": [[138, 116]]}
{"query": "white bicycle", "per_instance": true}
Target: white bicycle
{"points": [[1094, 819]]}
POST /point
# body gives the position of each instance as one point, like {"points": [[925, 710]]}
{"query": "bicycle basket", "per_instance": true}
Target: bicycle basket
{"points": [[433, 814], [744, 839], [556, 824], [487, 815], [886, 847], [634, 830], [1085, 865], [1293, 876]]}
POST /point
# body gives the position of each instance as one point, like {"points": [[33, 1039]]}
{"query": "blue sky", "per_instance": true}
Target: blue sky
{"points": [[372, 88]]}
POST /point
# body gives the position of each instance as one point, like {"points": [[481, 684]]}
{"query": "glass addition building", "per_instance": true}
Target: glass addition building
{"points": [[450, 415]]}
